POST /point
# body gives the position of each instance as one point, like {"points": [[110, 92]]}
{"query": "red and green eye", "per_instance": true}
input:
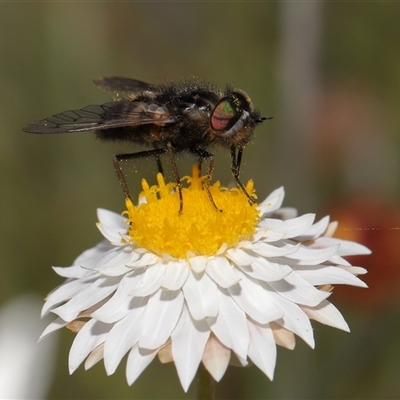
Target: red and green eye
{"points": [[227, 112]]}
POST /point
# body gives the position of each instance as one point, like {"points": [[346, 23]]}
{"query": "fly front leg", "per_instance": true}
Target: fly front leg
{"points": [[236, 160]]}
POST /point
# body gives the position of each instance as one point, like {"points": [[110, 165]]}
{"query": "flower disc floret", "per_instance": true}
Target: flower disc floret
{"points": [[202, 228]]}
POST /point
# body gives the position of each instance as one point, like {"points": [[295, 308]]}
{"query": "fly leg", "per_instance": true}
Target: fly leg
{"points": [[171, 154], [158, 161], [130, 156], [236, 160], [202, 155]]}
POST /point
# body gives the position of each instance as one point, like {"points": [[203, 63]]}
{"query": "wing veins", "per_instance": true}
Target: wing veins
{"points": [[97, 117]]}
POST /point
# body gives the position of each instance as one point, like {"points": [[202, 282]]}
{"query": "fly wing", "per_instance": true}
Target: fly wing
{"points": [[115, 114], [119, 84]]}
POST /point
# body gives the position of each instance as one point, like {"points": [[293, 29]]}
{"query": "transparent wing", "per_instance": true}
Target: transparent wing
{"points": [[118, 84], [110, 115]]}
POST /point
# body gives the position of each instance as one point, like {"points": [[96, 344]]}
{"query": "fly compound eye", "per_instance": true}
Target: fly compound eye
{"points": [[230, 114]]}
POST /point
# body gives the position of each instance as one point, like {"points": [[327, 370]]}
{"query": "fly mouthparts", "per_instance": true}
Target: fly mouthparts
{"points": [[261, 119]]}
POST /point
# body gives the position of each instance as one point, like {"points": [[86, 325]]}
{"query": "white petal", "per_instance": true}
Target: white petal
{"points": [[118, 270], [188, 341], [292, 227], [162, 314], [118, 266], [111, 219], [296, 289], [222, 272], [92, 294], [90, 256], [285, 213], [265, 270], [315, 230], [216, 358], [336, 259], [266, 235], [268, 250], [176, 273], [52, 327], [111, 259], [251, 297], [76, 271], [114, 236], [239, 257], [347, 248], [353, 270], [201, 296], [310, 256], [64, 292], [321, 275], [123, 336], [230, 326], [150, 281], [262, 349], [90, 336], [327, 314], [198, 263], [120, 303], [272, 202], [137, 362], [294, 319], [146, 260]]}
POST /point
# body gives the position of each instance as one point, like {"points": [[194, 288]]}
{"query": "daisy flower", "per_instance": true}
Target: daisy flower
{"points": [[208, 286]]}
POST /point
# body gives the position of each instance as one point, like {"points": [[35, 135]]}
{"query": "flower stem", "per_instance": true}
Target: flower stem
{"points": [[205, 384]]}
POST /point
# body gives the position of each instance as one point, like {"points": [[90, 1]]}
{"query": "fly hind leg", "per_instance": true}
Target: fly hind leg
{"points": [[131, 156]]}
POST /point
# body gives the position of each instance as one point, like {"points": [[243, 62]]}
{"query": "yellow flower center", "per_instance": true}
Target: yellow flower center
{"points": [[200, 229]]}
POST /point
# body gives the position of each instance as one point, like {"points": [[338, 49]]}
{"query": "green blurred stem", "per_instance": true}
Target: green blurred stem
{"points": [[205, 384]]}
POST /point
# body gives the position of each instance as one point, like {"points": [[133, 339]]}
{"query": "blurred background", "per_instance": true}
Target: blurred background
{"points": [[329, 72]]}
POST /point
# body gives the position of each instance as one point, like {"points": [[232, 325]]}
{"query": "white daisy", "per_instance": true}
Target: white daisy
{"points": [[208, 286]]}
